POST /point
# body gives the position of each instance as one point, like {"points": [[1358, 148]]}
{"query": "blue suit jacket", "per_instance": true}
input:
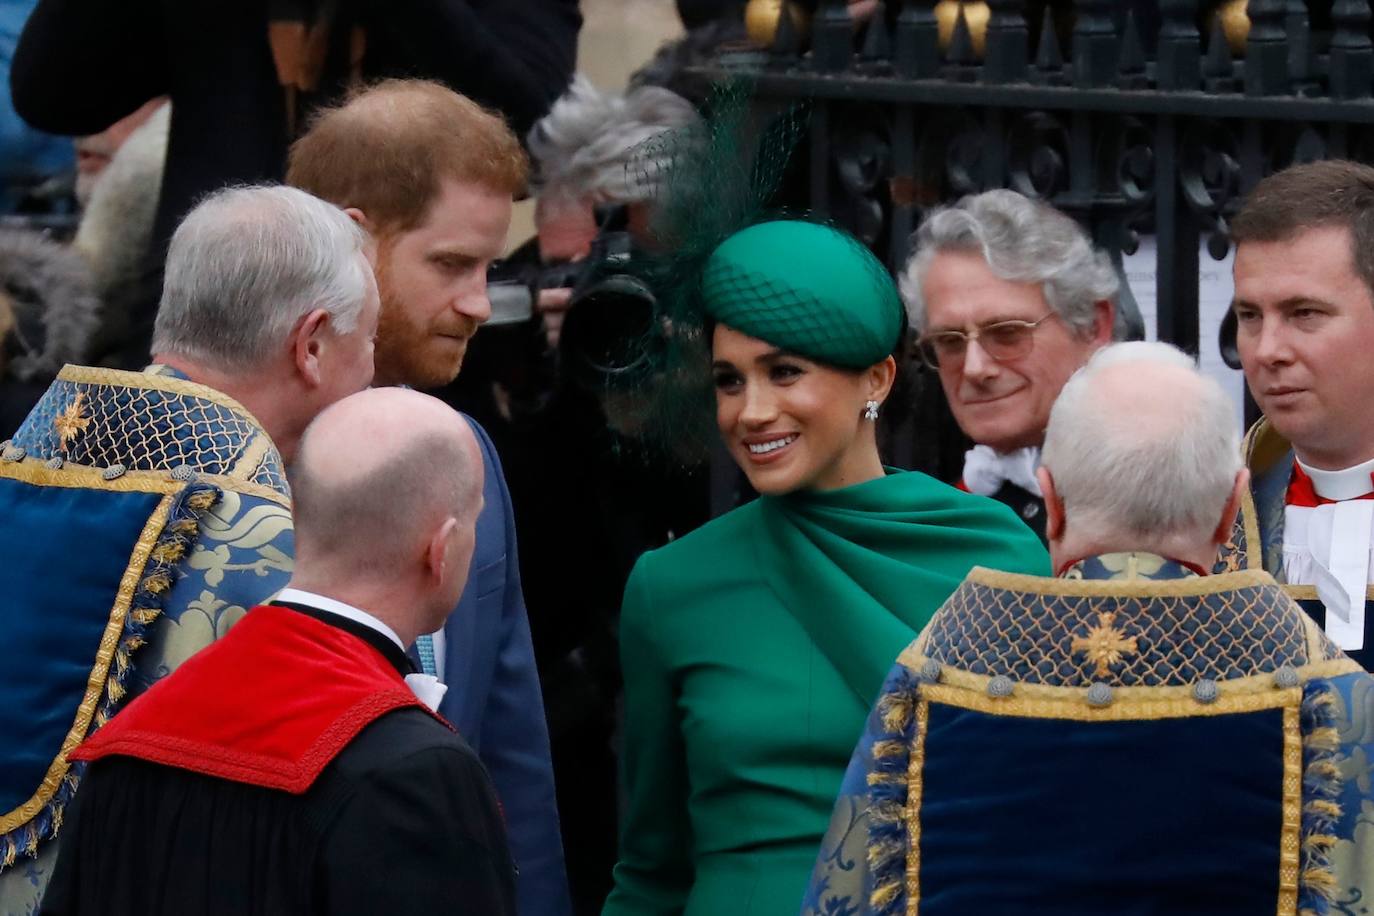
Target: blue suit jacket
{"points": [[494, 698]]}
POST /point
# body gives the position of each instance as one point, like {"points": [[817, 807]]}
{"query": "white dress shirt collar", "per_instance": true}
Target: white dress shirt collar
{"points": [[300, 596], [427, 688]]}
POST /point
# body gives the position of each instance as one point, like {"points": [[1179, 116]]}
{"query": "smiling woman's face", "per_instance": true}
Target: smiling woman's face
{"points": [[789, 422], [1004, 405]]}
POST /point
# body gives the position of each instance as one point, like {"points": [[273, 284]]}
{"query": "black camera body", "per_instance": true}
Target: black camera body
{"points": [[610, 330]]}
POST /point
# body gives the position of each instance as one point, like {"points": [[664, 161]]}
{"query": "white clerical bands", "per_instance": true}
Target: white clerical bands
{"points": [[1328, 546]]}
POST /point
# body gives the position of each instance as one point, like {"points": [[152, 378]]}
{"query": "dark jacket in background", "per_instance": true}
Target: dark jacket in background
{"points": [[494, 699], [83, 64]]}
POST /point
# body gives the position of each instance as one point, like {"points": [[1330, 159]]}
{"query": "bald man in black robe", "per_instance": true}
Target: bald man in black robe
{"points": [[296, 766]]}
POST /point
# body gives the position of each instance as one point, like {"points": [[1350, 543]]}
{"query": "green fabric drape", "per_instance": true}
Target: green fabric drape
{"points": [[752, 650], [865, 567]]}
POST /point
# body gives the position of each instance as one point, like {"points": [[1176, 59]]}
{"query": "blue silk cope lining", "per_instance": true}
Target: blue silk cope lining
{"points": [[66, 577], [1082, 800], [1135, 741]]}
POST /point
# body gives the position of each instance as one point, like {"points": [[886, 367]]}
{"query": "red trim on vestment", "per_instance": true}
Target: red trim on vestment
{"points": [[1301, 491], [962, 486], [270, 704]]}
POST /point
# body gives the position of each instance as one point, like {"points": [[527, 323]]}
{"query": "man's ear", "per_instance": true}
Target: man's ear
{"points": [[1054, 506], [370, 247], [436, 553], [1232, 508], [1104, 321], [359, 217], [307, 342]]}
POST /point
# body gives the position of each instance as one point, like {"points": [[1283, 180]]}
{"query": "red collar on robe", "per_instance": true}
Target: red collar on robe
{"points": [[270, 704], [1302, 492]]}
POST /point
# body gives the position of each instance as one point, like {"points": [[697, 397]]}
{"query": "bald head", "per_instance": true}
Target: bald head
{"points": [[376, 474], [1142, 447]]}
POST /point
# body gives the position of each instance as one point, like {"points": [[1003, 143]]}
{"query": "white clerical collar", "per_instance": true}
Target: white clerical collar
{"points": [[1340, 485], [300, 596]]}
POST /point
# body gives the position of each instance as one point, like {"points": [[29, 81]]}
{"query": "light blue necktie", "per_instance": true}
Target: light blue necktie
{"points": [[424, 647]]}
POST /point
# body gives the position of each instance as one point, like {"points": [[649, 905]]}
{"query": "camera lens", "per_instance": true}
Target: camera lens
{"points": [[609, 334]]}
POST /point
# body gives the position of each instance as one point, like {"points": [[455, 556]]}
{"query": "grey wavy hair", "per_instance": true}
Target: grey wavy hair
{"points": [[55, 309], [1149, 465], [246, 264], [1022, 240], [593, 143]]}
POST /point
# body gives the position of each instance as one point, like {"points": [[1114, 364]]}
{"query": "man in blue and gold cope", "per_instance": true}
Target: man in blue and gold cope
{"points": [[1132, 736], [142, 513], [1304, 312]]}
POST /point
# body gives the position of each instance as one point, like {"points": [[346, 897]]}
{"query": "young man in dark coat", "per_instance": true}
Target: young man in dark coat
{"points": [[297, 766], [431, 175]]}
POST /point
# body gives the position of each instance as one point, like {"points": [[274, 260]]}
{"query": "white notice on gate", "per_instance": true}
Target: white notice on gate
{"points": [[1215, 290]]}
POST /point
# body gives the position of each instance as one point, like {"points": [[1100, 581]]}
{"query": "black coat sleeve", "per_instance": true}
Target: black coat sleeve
{"points": [[420, 833], [81, 65], [516, 56]]}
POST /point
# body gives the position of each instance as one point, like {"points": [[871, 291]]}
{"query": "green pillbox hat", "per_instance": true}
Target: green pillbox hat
{"points": [[807, 288]]}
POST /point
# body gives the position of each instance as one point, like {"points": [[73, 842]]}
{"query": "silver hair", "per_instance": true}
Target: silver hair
{"points": [[246, 264], [1148, 466], [593, 143], [1022, 240]]}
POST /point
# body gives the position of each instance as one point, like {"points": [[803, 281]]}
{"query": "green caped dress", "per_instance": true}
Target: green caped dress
{"points": [[753, 649]]}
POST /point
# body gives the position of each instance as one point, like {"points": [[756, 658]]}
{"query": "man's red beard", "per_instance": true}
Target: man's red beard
{"points": [[422, 357]]}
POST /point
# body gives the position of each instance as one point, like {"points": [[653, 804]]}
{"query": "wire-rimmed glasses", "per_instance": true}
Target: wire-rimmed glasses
{"points": [[1002, 341]]}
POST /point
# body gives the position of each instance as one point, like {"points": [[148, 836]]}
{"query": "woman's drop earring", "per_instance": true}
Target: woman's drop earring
{"points": [[871, 410]]}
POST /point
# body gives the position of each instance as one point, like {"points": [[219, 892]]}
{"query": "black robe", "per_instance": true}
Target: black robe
{"points": [[402, 820]]}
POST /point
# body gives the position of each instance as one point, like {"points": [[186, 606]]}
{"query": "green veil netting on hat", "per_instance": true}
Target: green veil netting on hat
{"points": [[807, 288], [723, 253]]}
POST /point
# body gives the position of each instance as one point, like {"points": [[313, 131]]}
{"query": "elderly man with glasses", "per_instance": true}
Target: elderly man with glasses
{"points": [[1010, 299]]}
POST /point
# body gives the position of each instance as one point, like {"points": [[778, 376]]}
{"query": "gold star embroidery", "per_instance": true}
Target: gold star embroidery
{"points": [[1104, 644], [71, 422]]}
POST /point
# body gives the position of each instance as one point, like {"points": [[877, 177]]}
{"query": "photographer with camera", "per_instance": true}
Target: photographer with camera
{"points": [[583, 151], [549, 380]]}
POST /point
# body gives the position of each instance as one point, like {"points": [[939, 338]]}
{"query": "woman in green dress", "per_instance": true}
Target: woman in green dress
{"points": [[754, 647]]}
